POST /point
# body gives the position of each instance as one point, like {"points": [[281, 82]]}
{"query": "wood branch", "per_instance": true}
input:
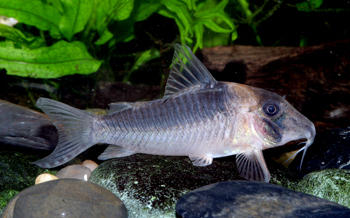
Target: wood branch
{"points": [[315, 79]]}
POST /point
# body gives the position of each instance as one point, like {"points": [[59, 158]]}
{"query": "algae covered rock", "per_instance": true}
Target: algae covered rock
{"points": [[330, 184], [254, 199], [16, 174], [150, 185], [65, 198], [5, 197]]}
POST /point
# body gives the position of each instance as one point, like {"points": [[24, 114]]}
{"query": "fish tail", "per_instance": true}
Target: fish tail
{"points": [[74, 128]]}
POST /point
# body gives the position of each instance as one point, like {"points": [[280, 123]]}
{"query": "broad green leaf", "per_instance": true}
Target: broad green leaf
{"points": [[145, 8], [76, 14], [62, 58], [122, 9], [56, 4], [34, 13], [108, 10]]}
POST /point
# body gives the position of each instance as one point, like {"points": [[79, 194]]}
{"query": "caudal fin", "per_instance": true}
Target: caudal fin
{"points": [[74, 132]]}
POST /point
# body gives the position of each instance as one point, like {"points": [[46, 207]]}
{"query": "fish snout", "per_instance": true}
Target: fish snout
{"points": [[310, 133]]}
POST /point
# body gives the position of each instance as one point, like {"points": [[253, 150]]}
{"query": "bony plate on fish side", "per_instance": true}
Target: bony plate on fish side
{"points": [[198, 117]]}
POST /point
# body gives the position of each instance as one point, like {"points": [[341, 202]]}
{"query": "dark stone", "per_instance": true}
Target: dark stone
{"points": [[254, 199], [150, 185], [65, 198], [330, 150]]}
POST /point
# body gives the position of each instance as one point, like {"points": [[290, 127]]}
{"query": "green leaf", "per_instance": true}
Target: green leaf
{"points": [[14, 34], [60, 59], [145, 57], [17, 36], [56, 4], [192, 19], [109, 10], [145, 9], [309, 5], [112, 10], [105, 37], [34, 13], [198, 31], [76, 14], [142, 58]]}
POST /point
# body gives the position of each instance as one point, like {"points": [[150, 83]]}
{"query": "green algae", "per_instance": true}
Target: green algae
{"points": [[330, 184], [5, 197], [16, 174]]}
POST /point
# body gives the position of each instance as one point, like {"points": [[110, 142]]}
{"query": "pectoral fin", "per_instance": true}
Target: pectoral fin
{"points": [[114, 151], [201, 161], [252, 166]]}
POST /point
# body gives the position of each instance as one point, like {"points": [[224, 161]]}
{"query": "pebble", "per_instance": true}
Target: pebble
{"points": [[74, 171], [45, 177], [92, 165]]}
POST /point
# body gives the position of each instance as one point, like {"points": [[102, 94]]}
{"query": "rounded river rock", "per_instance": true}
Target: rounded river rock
{"points": [[65, 198]]}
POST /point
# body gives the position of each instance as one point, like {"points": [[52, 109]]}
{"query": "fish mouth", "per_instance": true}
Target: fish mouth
{"points": [[306, 141]]}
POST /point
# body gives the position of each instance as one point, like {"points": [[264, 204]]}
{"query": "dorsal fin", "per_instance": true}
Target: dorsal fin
{"points": [[187, 72]]}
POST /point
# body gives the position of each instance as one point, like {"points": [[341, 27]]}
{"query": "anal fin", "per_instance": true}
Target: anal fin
{"points": [[201, 161], [252, 166], [114, 151]]}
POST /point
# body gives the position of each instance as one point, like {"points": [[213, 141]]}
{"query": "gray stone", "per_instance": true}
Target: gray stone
{"points": [[330, 184], [74, 171], [150, 185], [254, 199], [65, 198]]}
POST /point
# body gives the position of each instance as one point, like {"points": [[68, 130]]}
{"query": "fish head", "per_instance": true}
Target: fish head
{"points": [[276, 122], [273, 120]]}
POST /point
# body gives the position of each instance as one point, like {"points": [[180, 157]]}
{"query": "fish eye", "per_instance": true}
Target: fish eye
{"points": [[271, 109]]}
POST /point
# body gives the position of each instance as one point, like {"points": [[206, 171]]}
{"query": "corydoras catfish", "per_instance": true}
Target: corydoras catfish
{"points": [[198, 117]]}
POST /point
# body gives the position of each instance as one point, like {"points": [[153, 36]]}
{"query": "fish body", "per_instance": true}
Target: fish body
{"points": [[198, 117]]}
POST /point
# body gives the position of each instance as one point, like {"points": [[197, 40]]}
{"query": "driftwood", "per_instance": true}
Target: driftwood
{"points": [[315, 79]]}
